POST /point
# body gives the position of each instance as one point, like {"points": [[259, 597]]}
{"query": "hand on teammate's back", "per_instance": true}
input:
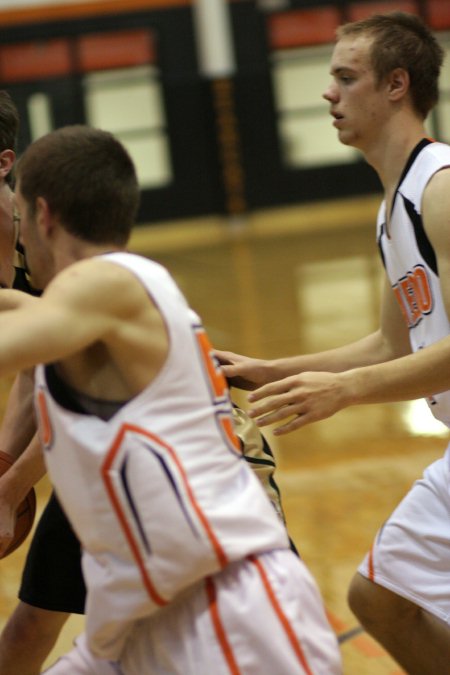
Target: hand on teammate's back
{"points": [[242, 372]]}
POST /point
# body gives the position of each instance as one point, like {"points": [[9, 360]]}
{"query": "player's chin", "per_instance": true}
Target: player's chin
{"points": [[345, 137]]}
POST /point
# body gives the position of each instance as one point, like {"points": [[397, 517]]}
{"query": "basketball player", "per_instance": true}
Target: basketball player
{"points": [[18, 427], [181, 547], [384, 83], [54, 553], [46, 599]]}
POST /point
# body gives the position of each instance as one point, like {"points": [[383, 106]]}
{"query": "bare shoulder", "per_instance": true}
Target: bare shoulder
{"points": [[98, 284], [438, 188], [436, 208], [14, 299], [439, 179]]}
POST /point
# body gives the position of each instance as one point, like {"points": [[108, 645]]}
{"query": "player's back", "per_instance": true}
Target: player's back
{"points": [[158, 489]]}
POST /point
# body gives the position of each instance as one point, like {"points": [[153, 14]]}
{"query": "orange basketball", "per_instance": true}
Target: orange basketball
{"points": [[25, 512]]}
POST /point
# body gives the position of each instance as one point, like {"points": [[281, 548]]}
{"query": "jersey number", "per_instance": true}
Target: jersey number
{"points": [[218, 388]]}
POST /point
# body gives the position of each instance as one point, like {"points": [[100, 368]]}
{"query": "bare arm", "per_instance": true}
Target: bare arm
{"points": [[389, 341], [18, 439], [97, 322], [68, 317], [18, 424], [15, 484], [427, 371], [314, 396], [11, 298]]}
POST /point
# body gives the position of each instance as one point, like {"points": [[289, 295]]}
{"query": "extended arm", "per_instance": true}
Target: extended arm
{"points": [[322, 390], [384, 344], [18, 439], [15, 484], [67, 318], [399, 376]]}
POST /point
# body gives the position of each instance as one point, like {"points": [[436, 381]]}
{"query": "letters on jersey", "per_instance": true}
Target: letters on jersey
{"points": [[410, 260]]}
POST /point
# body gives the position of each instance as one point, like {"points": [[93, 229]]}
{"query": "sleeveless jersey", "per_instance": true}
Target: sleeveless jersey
{"points": [[410, 260], [159, 493]]}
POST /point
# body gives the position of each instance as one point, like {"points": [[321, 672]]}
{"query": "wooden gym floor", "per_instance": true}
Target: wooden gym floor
{"points": [[281, 282]]}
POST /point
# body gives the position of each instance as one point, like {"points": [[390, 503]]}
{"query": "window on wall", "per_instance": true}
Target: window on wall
{"points": [[123, 94], [301, 44], [121, 88], [307, 136], [128, 102], [39, 115]]}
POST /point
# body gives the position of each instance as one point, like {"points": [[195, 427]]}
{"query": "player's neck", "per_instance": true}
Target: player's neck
{"points": [[70, 249], [392, 152]]}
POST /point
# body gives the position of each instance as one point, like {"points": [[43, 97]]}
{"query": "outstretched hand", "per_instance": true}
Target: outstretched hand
{"points": [[299, 399], [242, 372]]}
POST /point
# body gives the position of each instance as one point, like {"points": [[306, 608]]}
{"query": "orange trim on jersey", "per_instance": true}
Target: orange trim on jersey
{"points": [[281, 616], [45, 427], [218, 386], [370, 565], [148, 583], [216, 377], [220, 553], [219, 628], [230, 434]]}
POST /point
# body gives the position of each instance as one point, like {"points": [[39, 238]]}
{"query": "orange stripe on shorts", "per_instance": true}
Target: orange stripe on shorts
{"points": [[370, 565], [282, 617], [219, 628]]}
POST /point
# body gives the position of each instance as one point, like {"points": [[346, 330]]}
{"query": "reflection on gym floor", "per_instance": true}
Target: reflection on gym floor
{"points": [[282, 282]]}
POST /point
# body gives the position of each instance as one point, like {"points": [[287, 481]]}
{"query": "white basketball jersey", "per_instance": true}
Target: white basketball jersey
{"points": [[410, 260], [158, 494]]}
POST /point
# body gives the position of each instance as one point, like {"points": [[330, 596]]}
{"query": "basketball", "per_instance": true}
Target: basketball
{"points": [[25, 512]]}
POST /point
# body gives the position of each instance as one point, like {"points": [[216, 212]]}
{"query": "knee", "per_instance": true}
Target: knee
{"points": [[358, 598], [358, 595], [23, 626], [376, 606], [29, 624]]}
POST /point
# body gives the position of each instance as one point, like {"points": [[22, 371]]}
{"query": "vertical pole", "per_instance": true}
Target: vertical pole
{"points": [[214, 38], [217, 64]]}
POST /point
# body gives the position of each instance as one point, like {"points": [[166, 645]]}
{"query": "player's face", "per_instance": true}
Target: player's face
{"points": [[356, 100], [6, 236], [36, 253]]}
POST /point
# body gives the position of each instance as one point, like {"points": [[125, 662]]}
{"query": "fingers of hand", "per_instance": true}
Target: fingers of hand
{"points": [[276, 402], [222, 357], [270, 398], [295, 423], [276, 389]]}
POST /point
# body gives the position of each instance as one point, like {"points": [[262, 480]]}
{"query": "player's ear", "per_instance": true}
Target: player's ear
{"points": [[7, 158], [44, 218], [398, 83]]}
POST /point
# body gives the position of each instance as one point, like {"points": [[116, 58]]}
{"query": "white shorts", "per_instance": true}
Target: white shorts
{"points": [[257, 617], [80, 661], [411, 553]]}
